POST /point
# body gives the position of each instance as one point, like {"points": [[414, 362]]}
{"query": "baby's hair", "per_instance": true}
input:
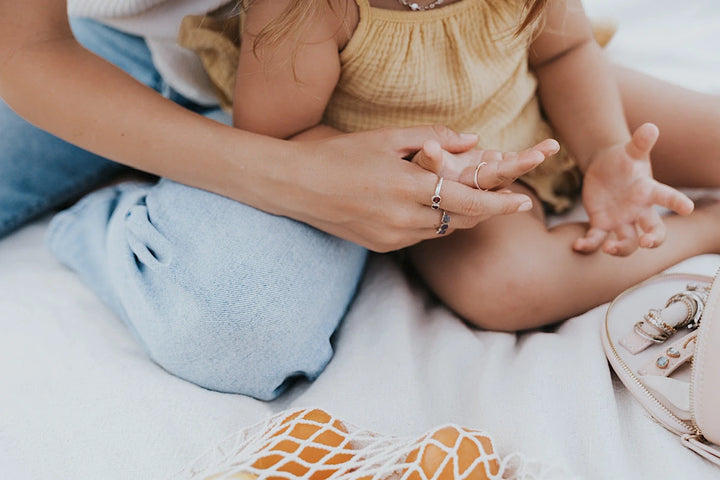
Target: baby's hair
{"points": [[288, 25], [533, 10]]}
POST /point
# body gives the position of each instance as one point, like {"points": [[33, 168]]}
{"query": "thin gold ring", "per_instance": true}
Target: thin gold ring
{"points": [[477, 169]]}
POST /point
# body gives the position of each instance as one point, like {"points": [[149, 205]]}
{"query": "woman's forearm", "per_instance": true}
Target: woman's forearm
{"points": [[355, 186], [318, 132], [70, 92]]}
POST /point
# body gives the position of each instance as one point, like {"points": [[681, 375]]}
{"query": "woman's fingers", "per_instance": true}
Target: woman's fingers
{"points": [[477, 205], [409, 140], [502, 169], [359, 187], [432, 219], [547, 147], [489, 170]]}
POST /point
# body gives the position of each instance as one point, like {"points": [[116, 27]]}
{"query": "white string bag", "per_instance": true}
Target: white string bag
{"points": [[314, 445]]}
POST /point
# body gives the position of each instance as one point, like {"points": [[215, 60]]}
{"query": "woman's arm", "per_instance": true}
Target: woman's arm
{"points": [[47, 77], [339, 185]]}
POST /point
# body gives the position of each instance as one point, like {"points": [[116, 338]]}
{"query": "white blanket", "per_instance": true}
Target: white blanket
{"points": [[80, 400]]}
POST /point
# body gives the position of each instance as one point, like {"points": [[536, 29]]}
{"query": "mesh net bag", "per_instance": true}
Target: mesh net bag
{"points": [[314, 445]]}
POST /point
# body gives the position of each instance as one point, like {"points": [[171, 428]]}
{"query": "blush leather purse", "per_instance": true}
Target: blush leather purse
{"points": [[662, 338]]}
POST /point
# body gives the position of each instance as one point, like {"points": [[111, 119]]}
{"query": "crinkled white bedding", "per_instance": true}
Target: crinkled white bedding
{"points": [[80, 400]]}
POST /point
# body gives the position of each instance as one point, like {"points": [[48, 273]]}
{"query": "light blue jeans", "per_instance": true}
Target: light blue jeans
{"points": [[218, 293]]}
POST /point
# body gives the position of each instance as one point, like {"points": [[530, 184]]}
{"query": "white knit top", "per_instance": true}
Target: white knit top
{"points": [[158, 21]]}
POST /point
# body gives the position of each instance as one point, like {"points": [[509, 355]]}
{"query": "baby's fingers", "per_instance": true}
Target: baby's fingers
{"points": [[430, 157], [625, 243], [653, 229], [592, 240], [668, 197]]}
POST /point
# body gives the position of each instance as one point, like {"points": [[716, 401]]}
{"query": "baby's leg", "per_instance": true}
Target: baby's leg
{"points": [[687, 153], [512, 273]]}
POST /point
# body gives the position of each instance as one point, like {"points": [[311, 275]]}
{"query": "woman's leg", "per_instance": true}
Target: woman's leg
{"points": [[512, 273], [687, 153], [40, 172], [218, 293]]}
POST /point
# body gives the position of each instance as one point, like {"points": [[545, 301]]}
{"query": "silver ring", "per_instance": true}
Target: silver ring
{"points": [[436, 197], [646, 335], [444, 223], [477, 169], [694, 298]]}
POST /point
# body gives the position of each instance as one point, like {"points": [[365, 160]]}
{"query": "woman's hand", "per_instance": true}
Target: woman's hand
{"points": [[619, 194], [359, 187], [498, 169]]}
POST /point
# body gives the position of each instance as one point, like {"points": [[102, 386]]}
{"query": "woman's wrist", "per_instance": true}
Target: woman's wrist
{"points": [[254, 169]]}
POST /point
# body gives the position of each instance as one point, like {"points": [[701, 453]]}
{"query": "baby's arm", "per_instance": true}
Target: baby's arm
{"points": [[485, 169], [581, 98], [282, 88], [576, 87]]}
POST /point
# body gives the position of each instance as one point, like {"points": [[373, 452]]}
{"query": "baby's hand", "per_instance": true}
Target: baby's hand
{"points": [[496, 169], [619, 194]]}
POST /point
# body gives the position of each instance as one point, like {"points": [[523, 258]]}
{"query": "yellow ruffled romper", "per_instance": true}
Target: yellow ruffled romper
{"points": [[461, 65]]}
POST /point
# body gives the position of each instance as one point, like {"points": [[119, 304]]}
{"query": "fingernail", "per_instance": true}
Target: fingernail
{"points": [[525, 206], [468, 136]]}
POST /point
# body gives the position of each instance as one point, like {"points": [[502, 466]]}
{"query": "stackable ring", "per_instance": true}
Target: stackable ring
{"points": [[690, 304], [654, 318], [436, 196], [694, 298], [444, 223], [477, 169], [640, 330]]}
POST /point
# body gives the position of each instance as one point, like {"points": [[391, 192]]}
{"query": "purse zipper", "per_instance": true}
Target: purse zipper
{"points": [[698, 432], [682, 423]]}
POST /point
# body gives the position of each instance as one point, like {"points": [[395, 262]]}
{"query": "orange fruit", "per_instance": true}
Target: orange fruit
{"points": [[434, 458], [326, 436]]}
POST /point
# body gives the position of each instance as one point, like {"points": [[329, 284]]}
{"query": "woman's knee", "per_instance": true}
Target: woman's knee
{"points": [[249, 356], [228, 297], [249, 338]]}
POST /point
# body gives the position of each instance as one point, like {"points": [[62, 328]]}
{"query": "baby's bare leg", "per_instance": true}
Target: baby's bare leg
{"points": [[512, 273], [687, 153]]}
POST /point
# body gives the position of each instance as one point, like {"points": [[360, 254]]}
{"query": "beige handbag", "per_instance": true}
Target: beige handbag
{"points": [[662, 338]]}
